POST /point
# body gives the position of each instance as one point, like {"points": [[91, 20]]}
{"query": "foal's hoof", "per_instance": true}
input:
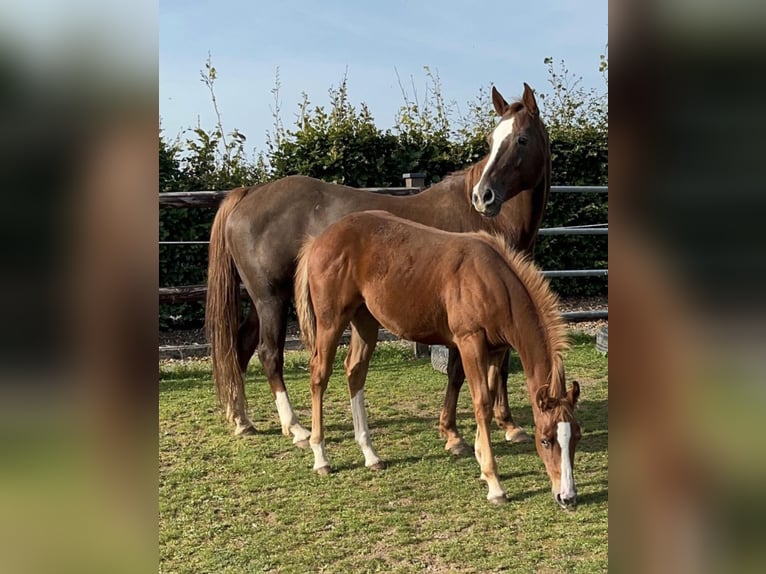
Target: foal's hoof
{"points": [[380, 465], [517, 435], [323, 471], [498, 500], [460, 449], [302, 443], [244, 430]]}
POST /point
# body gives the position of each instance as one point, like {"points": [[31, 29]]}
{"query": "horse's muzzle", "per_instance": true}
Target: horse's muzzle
{"points": [[566, 503], [484, 201]]}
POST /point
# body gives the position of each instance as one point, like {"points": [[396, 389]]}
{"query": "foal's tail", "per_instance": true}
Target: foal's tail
{"points": [[222, 311], [303, 305]]}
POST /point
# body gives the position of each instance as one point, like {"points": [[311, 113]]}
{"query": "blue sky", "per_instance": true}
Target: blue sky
{"points": [[313, 42]]}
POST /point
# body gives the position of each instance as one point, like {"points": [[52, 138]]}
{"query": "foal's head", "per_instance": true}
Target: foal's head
{"points": [[517, 157], [556, 436]]}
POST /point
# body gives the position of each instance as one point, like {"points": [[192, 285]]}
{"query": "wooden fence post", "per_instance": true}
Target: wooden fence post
{"points": [[414, 179]]}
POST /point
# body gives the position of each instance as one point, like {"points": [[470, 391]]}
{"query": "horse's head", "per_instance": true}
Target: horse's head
{"points": [[556, 436], [518, 154]]}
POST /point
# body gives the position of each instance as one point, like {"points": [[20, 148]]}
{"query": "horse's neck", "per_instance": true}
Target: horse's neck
{"points": [[530, 339], [523, 215], [533, 350], [446, 205]]}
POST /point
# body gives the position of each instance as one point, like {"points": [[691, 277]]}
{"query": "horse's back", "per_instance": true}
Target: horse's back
{"points": [[268, 226], [411, 277]]}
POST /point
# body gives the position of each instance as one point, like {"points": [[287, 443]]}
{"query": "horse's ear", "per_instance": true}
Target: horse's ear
{"points": [[529, 101], [499, 102], [543, 400], [574, 393]]}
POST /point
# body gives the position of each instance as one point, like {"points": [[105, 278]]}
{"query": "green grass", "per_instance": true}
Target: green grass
{"points": [[254, 505]]}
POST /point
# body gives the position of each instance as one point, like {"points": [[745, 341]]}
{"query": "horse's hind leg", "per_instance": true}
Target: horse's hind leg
{"points": [[447, 420], [502, 410], [364, 337], [272, 313], [247, 341], [320, 367]]}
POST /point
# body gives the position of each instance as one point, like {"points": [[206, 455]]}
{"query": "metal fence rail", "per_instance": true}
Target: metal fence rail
{"points": [[199, 199]]}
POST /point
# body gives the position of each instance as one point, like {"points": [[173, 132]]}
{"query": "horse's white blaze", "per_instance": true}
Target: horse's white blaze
{"points": [[320, 459], [288, 419], [563, 434], [501, 132], [362, 430]]}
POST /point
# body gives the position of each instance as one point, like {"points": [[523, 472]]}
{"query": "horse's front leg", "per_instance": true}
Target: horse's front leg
{"points": [[447, 420], [477, 367], [502, 410]]}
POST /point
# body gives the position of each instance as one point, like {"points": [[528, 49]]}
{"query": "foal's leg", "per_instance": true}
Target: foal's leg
{"points": [[272, 312], [364, 337], [476, 365], [513, 432], [447, 420], [321, 368]]}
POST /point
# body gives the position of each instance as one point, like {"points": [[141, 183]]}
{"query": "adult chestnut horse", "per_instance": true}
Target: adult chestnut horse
{"points": [[465, 290], [258, 231]]}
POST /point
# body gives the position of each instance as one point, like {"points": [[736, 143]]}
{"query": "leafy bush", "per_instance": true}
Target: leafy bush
{"points": [[343, 144]]}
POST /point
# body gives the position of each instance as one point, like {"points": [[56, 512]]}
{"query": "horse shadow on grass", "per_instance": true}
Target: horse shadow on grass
{"points": [[597, 498], [592, 415]]}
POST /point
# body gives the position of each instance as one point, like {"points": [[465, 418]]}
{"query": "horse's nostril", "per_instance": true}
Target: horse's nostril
{"points": [[489, 196]]}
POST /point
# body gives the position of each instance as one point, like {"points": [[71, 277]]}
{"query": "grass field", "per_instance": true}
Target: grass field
{"points": [[253, 504]]}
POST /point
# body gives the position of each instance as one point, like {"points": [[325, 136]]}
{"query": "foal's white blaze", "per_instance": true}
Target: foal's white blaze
{"points": [[563, 434], [288, 419], [503, 130], [362, 430]]}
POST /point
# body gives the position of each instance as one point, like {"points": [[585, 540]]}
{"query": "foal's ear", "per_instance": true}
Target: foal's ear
{"points": [[543, 400], [499, 102], [529, 101], [574, 393]]}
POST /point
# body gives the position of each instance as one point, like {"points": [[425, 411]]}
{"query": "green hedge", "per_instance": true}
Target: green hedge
{"points": [[345, 146]]}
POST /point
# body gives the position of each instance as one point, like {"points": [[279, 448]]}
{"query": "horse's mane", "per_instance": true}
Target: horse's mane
{"points": [[545, 302]]}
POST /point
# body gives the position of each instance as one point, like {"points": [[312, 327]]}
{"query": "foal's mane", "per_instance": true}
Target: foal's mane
{"points": [[545, 302]]}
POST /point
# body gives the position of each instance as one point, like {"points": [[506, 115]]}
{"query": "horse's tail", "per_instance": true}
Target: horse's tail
{"points": [[222, 311], [303, 305]]}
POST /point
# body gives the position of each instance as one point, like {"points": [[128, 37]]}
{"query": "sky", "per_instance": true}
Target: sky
{"points": [[314, 43]]}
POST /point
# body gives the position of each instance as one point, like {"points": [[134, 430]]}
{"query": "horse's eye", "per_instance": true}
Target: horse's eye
{"points": [[523, 140], [546, 443]]}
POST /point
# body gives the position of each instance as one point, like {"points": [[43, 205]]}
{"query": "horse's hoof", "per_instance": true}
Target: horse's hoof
{"points": [[460, 449], [380, 465], [498, 500], [244, 430], [517, 435], [302, 443], [323, 471]]}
